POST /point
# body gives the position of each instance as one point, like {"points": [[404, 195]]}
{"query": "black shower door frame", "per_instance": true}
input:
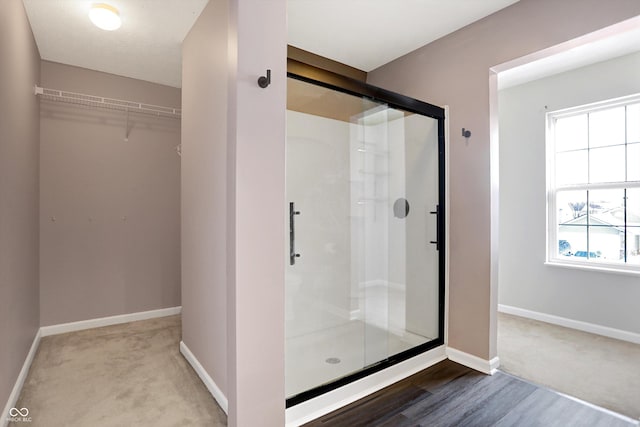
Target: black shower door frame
{"points": [[401, 102]]}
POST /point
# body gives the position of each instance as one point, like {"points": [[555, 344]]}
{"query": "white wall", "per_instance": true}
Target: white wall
{"points": [[422, 190], [353, 250], [396, 255], [525, 282], [318, 290]]}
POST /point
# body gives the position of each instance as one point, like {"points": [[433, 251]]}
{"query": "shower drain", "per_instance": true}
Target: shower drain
{"points": [[333, 360]]}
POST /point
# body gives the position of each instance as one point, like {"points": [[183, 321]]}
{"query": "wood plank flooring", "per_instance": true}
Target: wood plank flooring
{"points": [[449, 394]]}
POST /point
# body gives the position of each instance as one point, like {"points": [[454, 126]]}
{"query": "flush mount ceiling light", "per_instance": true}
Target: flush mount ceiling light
{"points": [[105, 16]]}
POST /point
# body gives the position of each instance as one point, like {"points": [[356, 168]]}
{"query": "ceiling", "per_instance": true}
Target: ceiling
{"points": [[623, 42], [146, 47], [362, 33], [366, 34]]}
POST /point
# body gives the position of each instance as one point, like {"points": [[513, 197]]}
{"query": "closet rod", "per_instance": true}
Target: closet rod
{"points": [[109, 103]]}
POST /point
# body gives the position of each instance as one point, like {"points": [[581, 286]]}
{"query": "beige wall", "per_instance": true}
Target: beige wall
{"points": [[454, 71], [233, 204], [19, 137], [204, 190], [109, 208], [256, 212]]}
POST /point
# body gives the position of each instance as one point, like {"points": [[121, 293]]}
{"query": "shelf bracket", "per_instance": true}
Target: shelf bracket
{"points": [[126, 128]]}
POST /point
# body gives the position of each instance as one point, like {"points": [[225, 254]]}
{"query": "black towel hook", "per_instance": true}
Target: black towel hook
{"points": [[263, 81]]}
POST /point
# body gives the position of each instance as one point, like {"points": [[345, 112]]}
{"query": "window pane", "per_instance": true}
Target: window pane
{"points": [[572, 167], [633, 123], [607, 127], [571, 207], [606, 243], [607, 164], [571, 133], [606, 207], [633, 207], [633, 162], [633, 245], [633, 226], [572, 242]]}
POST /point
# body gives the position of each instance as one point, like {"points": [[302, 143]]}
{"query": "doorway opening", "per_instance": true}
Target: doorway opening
{"points": [[555, 309]]}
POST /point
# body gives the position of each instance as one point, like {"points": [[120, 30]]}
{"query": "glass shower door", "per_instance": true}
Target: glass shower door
{"points": [[395, 219], [362, 267]]}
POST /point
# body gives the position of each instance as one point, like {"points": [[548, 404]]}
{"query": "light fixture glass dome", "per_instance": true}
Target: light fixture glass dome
{"points": [[105, 16]]}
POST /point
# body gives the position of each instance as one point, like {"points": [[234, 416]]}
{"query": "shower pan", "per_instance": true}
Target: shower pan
{"points": [[364, 281]]}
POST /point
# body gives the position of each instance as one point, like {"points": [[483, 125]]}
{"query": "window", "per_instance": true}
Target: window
{"points": [[593, 185]]}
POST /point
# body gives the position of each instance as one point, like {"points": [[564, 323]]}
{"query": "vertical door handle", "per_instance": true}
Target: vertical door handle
{"points": [[292, 234], [437, 214]]}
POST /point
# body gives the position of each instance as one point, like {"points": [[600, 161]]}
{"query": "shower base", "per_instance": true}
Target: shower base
{"points": [[324, 356]]}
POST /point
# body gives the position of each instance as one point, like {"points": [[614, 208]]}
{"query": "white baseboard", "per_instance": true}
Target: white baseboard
{"points": [[22, 376], [606, 331], [328, 402], [63, 328], [474, 362], [211, 385]]}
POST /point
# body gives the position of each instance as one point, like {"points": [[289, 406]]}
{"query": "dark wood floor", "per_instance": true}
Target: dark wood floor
{"points": [[449, 394]]}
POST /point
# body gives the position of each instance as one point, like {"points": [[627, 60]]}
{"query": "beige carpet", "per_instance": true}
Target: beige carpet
{"points": [[599, 370], [123, 375], [134, 375]]}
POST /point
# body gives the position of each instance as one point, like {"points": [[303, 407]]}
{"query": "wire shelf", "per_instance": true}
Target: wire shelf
{"points": [[107, 103]]}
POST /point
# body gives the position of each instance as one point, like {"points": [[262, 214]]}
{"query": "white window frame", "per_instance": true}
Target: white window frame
{"points": [[553, 257]]}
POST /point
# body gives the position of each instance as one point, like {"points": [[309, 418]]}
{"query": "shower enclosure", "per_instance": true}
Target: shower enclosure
{"points": [[365, 260]]}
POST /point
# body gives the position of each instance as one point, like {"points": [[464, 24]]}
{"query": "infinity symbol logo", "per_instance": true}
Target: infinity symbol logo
{"points": [[14, 412]]}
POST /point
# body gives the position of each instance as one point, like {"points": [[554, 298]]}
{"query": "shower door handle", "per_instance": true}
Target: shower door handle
{"points": [[437, 214], [292, 234]]}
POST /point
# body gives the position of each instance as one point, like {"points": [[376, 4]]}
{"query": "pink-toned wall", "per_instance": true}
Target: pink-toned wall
{"points": [[109, 208], [256, 212], [233, 204], [454, 71], [19, 192], [204, 190]]}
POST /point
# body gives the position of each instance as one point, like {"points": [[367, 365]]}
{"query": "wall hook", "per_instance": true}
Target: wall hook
{"points": [[466, 133], [264, 81]]}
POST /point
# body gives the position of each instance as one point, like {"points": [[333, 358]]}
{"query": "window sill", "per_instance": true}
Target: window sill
{"points": [[599, 268]]}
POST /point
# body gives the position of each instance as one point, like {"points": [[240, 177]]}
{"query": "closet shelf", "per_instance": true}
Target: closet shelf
{"points": [[108, 103]]}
